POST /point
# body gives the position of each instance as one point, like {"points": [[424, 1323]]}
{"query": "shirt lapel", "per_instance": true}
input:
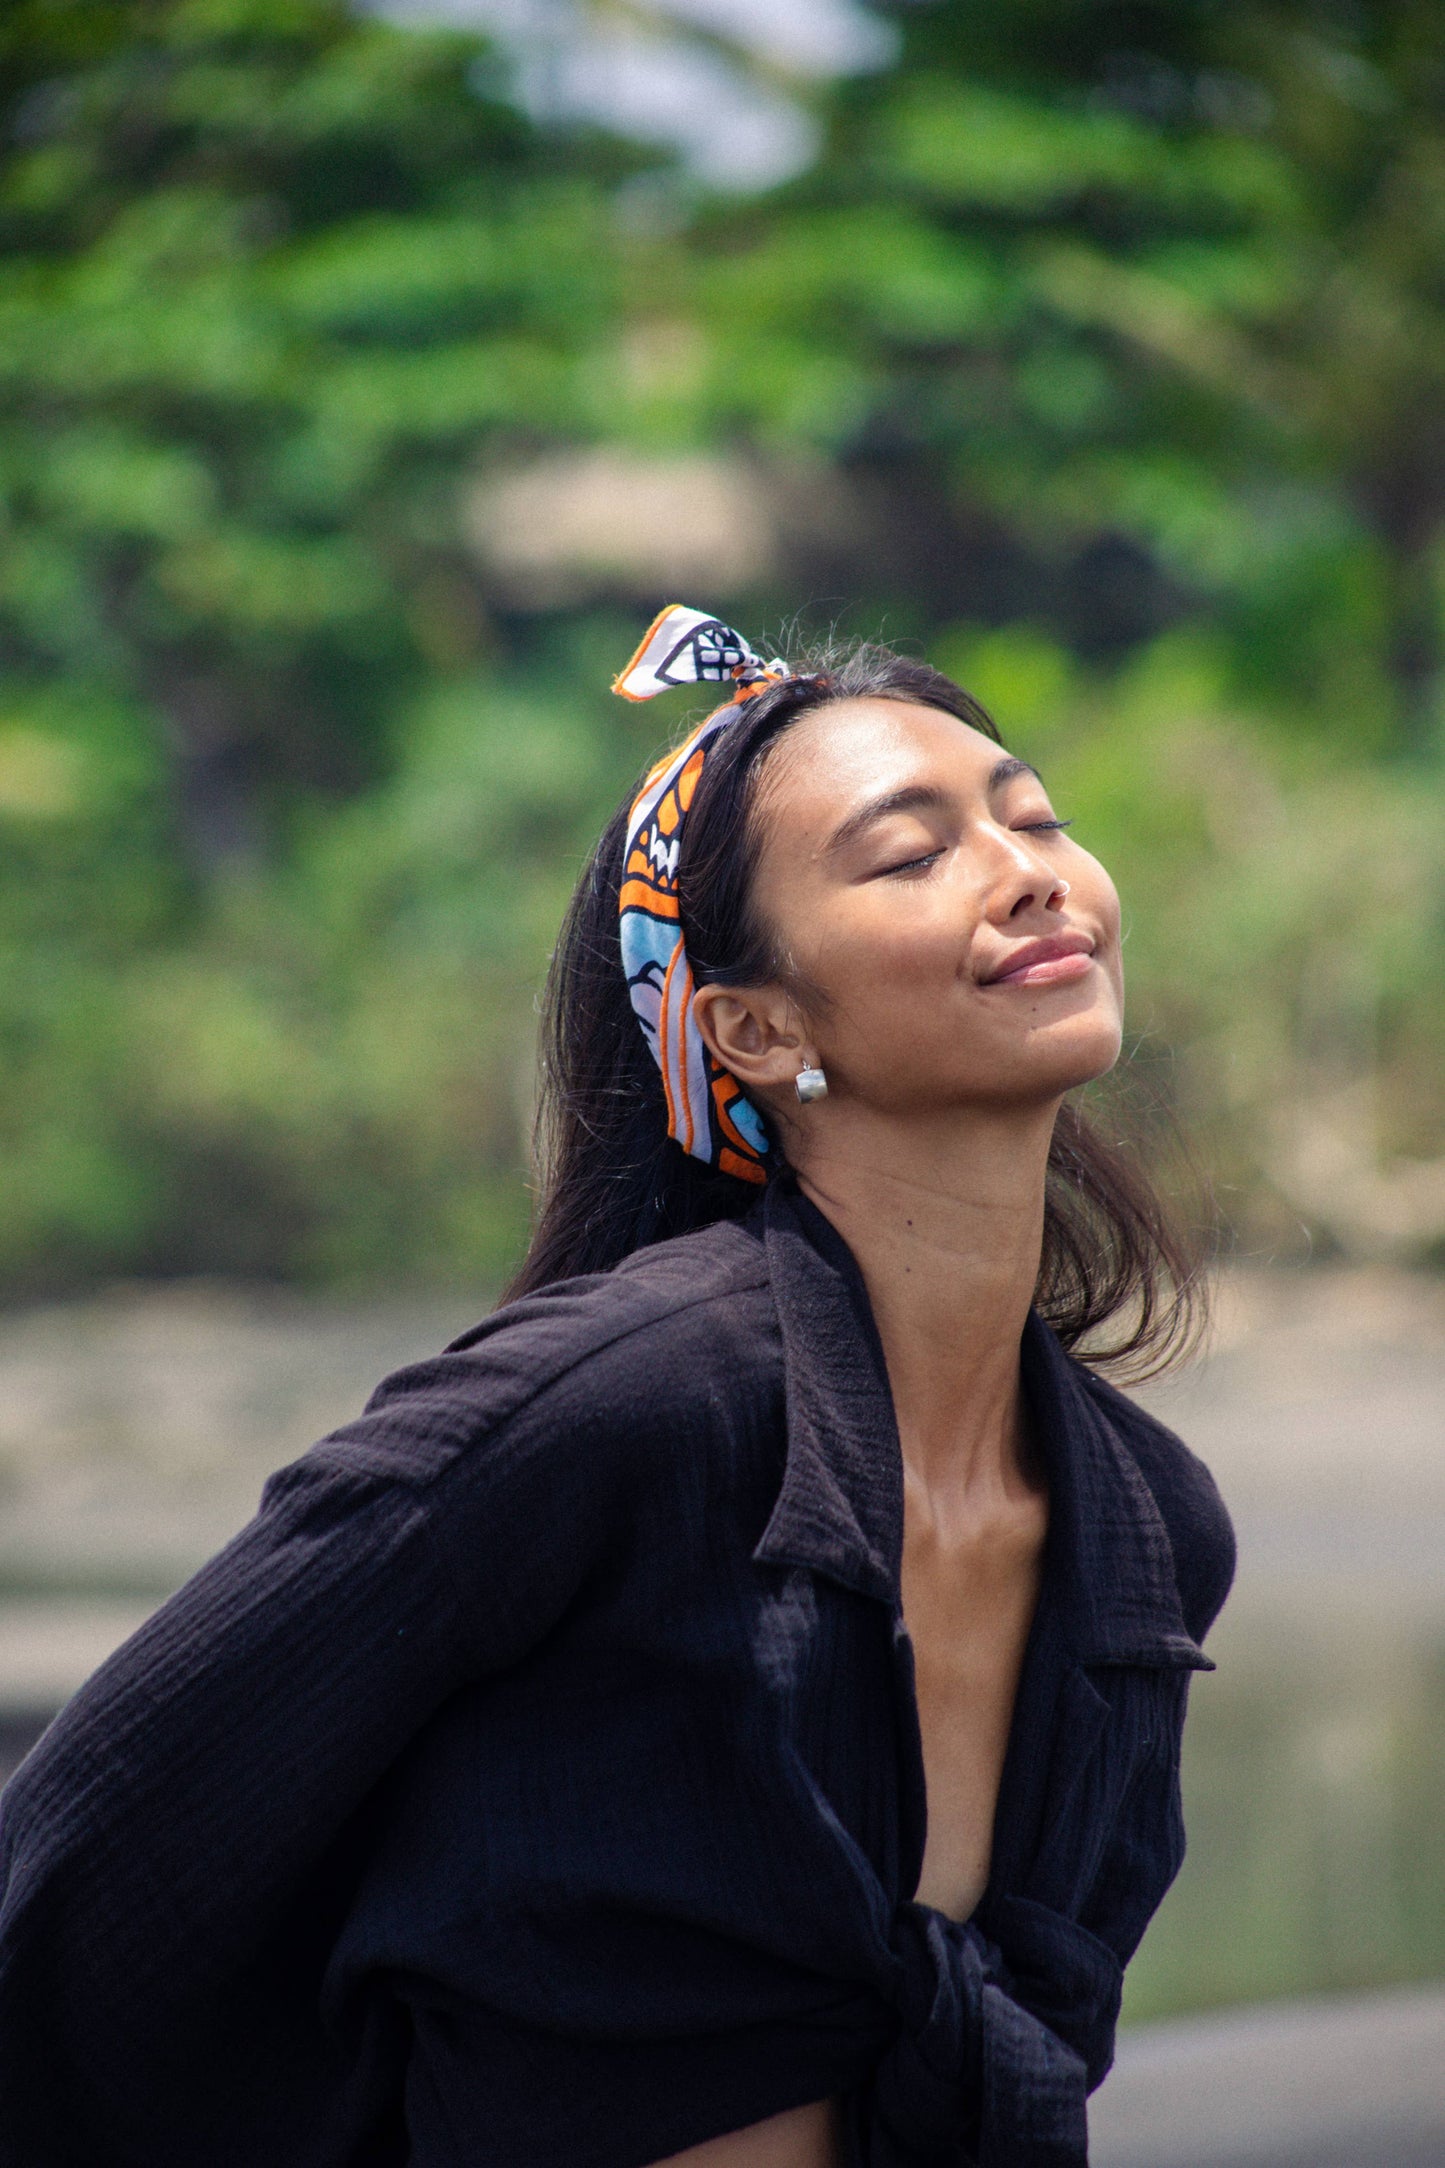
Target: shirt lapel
{"points": [[1108, 1544], [1109, 1647], [839, 1509], [1110, 1598]]}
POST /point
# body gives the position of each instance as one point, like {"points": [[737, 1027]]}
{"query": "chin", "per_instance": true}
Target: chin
{"points": [[1076, 1057]]}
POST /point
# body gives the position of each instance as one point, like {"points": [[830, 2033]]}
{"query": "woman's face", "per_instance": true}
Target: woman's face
{"points": [[914, 875]]}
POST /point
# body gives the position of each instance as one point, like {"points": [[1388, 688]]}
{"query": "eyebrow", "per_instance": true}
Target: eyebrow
{"points": [[920, 798], [1004, 771]]}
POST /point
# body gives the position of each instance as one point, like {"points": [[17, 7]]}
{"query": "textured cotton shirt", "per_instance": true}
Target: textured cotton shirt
{"points": [[537, 1781]]}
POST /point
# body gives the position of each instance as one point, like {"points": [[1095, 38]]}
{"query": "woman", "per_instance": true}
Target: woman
{"points": [[726, 1708]]}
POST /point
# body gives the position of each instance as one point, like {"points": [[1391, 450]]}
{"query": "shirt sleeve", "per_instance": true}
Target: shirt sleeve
{"points": [[175, 1854]]}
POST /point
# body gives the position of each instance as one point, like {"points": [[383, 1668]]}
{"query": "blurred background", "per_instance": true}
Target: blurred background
{"points": [[370, 375]]}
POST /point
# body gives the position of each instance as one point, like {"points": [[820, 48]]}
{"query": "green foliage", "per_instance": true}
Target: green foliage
{"points": [[269, 276], [1101, 356], [327, 1073], [1169, 275], [1133, 320]]}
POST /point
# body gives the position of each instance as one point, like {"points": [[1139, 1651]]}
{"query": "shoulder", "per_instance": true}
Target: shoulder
{"points": [[1201, 1533], [670, 1325], [673, 1328], [524, 1450]]}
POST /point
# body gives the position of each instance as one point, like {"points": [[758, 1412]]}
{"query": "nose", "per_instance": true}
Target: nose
{"points": [[1024, 878]]}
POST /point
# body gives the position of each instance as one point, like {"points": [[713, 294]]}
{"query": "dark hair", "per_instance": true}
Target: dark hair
{"points": [[612, 1180]]}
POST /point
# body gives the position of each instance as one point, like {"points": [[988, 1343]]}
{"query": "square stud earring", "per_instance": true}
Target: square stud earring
{"points": [[810, 1085]]}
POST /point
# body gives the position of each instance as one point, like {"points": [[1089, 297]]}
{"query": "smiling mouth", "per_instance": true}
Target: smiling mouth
{"points": [[1049, 965]]}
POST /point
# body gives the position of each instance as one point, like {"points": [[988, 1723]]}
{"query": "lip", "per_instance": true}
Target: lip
{"points": [[1055, 960]]}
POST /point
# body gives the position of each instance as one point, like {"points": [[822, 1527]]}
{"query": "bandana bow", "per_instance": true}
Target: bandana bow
{"points": [[706, 1110]]}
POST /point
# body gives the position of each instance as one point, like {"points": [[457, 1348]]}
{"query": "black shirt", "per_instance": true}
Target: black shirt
{"points": [[536, 1782]]}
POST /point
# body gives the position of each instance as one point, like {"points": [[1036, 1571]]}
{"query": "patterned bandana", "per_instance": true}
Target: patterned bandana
{"points": [[706, 1109]]}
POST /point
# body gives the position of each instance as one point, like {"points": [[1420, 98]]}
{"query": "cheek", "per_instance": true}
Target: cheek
{"points": [[1095, 897], [1094, 891], [885, 944]]}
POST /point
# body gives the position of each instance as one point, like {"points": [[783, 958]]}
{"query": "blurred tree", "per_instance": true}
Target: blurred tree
{"points": [[271, 278], [268, 275], [1127, 313], [1125, 325], [1101, 355]]}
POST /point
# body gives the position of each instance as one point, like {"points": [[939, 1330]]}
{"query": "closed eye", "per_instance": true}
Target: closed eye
{"points": [[920, 865], [913, 865]]}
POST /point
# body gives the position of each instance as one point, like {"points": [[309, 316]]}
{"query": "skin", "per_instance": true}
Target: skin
{"points": [[928, 1155]]}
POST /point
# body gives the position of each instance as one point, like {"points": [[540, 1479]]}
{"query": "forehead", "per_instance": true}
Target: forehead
{"points": [[836, 756]]}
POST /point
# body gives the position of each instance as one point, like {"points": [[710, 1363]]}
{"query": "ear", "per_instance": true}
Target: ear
{"points": [[754, 1031]]}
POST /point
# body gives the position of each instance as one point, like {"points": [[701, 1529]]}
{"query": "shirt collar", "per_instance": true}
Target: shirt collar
{"points": [[839, 1509]]}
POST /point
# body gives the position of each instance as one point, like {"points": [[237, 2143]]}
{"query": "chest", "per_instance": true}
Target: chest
{"points": [[969, 1596]]}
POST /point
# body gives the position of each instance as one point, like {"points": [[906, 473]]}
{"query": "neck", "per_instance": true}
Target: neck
{"points": [[945, 1219]]}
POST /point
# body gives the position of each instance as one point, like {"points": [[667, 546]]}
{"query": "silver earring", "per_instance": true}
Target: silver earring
{"points": [[810, 1085]]}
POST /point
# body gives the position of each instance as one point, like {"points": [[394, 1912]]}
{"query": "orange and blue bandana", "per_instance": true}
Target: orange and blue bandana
{"points": [[706, 1109]]}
